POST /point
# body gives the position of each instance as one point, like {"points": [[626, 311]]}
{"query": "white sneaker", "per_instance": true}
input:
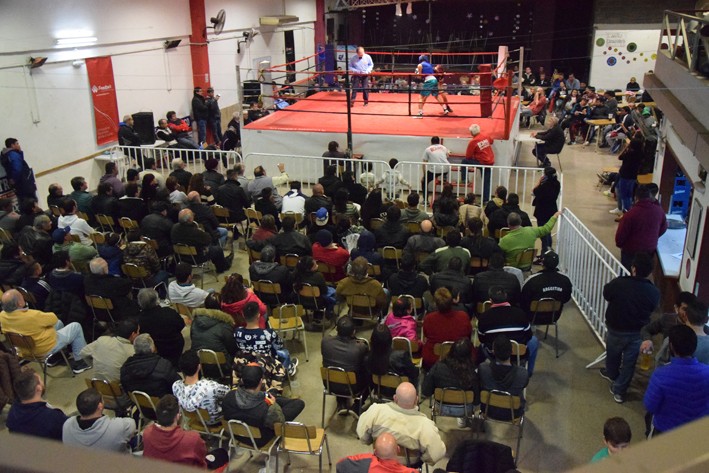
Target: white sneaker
{"points": [[616, 211], [420, 115], [461, 422], [608, 193]]}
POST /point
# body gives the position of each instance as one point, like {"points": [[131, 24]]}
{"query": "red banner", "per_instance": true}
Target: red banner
{"points": [[103, 93]]}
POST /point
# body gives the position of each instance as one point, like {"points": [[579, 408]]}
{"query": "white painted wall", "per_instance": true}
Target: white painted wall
{"points": [[604, 76]]}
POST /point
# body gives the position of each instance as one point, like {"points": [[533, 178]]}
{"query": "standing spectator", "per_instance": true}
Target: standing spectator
{"points": [[163, 324], [194, 393], [436, 155], [30, 414], [545, 196], [694, 317], [20, 174], [200, 112], [678, 393], [178, 172], [111, 177], [631, 301], [215, 117], [479, 152], [640, 227], [110, 352], [502, 375], [444, 325], [631, 157], [232, 196], [553, 141], [616, 437]]}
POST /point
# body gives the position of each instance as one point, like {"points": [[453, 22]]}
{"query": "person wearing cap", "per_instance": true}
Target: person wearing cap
{"points": [[151, 167], [78, 252], [549, 282], [325, 251], [214, 117], [212, 177], [322, 222], [261, 180], [251, 405], [430, 86], [479, 152], [182, 131]]}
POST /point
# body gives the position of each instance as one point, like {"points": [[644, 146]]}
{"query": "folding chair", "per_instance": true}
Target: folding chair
{"points": [[236, 428], [155, 246], [374, 270], [290, 260], [253, 255], [452, 397], [390, 381], [135, 272], [268, 292], [525, 259], [328, 271], [391, 253], [211, 358], [5, 236], [105, 221], [24, 347], [146, 409], [503, 400], [442, 349], [301, 439], [114, 398], [100, 303], [414, 227], [97, 238], [477, 264], [363, 306], [197, 420], [416, 303], [289, 318], [127, 224], [375, 222], [55, 211], [551, 311], [503, 232], [483, 307], [332, 374], [443, 231], [183, 310], [28, 297], [404, 344], [188, 254], [309, 298], [254, 222]]}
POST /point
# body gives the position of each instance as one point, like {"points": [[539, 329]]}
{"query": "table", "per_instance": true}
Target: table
{"points": [[600, 122], [519, 139], [670, 248]]}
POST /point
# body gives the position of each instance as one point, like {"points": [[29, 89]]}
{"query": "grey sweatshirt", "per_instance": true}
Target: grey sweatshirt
{"points": [[109, 434]]}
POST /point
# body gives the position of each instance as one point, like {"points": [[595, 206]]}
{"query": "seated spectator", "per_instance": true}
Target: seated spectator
{"points": [[63, 278], [358, 282], [343, 207], [78, 225], [111, 251], [149, 189], [454, 277], [232, 196], [477, 244], [243, 180], [325, 251], [444, 325], [29, 210], [197, 184], [110, 352], [412, 213], [664, 323], [163, 324], [132, 206], [384, 458], [181, 130], [498, 218], [12, 264], [186, 232], [49, 333], [322, 222], [347, 352], [294, 200], [212, 330], [261, 180], [496, 202], [150, 167], [401, 323], [36, 241], [8, 218], [392, 232], [269, 270], [501, 317], [333, 151], [290, 241], [80, 196], [495, 276], [446, 214], [455, 370], [194, 393], [468, 211], [56, 195], [104, 203], [366, 249], [549, 282], [425, 241], [439, 259], [266, 230], [446, 195], [330, 182], [34, 284], [92, 429], [535, 107], [411, 428], [133, 177], [176, 196], [306, 272], [235, 296], [616, 437], [520, 238], [553, 141], [178, 172], [183, 291], [158, 227], [382, 360], [141, 254], [165, 440], [204, 216], [252, 406], [502, 375], [212, 177], [263, 203], [694, 317], [119, 290], [146, 371], [357, 192], [79, 253], [317, 201], [408, 281], [30, 414]]}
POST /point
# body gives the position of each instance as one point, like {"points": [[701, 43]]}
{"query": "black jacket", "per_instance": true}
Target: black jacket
{"points": [[453, 279], [127, 136], [183, 177], [213, 179], [37, 244], [424, 243], [105, 204], [509, 320], [265, 206], [412, 284], [158, 227], [392, 234], [545, 195], [314, 203], [114, 288], [11, 271], [483, 247], [495, 277], [471, 456], [291, 243], [132, 207], [498, 219], [205, 216], [358, 193], [277, 274], [68, 308], [232, 196], [150, 374], [330, 184], [165, 326], [631, 301], [546, 283], [441, 376], [191, 235], [553, 139], [200, 109]]}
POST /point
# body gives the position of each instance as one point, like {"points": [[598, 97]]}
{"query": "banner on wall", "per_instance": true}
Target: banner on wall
{"points": [[103, 94]]}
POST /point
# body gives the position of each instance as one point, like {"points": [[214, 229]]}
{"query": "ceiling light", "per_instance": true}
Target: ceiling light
{"points": [[409, 9], [398, 8], [75, 41]]}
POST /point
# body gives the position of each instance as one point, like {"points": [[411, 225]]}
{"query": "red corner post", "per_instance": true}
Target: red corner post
{"points": [[198, 48], [485, 90]]}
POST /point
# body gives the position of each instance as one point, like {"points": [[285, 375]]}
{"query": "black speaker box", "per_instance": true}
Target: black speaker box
{"points": [[145, 126], [252, 90]]}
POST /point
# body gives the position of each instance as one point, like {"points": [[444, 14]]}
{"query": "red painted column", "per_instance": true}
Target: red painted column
{"points": [[485, 90], [198, 49], [319, 25]]}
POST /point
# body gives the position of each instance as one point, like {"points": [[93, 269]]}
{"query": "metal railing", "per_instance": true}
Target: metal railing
{"points": [[127, 157], [590, 266], [687, 41]]}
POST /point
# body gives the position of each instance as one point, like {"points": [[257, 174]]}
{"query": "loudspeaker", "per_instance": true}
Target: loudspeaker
{"points": [[252, 90], [144, 126]]}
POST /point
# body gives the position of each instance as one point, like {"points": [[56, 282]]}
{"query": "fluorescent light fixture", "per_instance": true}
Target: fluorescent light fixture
{"points": [[398, 8], [75, 41], [409, 9]]}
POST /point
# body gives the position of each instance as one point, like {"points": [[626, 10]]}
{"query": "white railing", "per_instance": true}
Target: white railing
{"points": [[130, 157], [590, 266]]}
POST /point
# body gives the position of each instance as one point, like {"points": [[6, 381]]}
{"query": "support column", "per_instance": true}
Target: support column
{"points": [[199, 51]]}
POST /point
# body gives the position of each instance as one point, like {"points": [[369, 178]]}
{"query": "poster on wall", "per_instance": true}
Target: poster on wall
{"points": [[619, 55], [103, 94]]}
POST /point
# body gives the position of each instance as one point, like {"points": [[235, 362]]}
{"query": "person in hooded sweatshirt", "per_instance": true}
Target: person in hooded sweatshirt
{"points": [[366, 244], [250, 404], [29, 414], [503, 376], [359, 283], [212, 330], [183, 291], [408, 281], [267, 269], [92, 429]]}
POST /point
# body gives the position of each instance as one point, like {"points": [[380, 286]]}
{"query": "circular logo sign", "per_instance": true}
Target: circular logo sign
{"points": [[632, 47], [654, 56], [611, 61], [600, 42]]}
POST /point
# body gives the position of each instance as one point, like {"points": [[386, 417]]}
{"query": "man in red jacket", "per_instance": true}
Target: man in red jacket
{"points": [[325, 251], [480, 152], [640, 227]]}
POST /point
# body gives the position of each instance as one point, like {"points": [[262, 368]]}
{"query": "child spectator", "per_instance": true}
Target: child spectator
{"points": [[392, 180], [616, 436], [400, 321]]}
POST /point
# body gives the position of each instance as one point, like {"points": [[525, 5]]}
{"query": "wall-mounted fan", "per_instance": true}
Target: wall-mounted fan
{"points": [[218, 22]]}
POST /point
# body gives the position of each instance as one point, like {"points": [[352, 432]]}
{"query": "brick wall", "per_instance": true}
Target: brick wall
{"points": [[636, 11]]}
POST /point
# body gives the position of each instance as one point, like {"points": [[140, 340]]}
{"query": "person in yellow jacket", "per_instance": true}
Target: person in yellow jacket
{"points": [[520, 238]]}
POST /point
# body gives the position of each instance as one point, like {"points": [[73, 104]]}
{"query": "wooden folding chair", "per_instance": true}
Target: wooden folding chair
{"points": [[127, 224], [375, 222], [301, 439], [390, 253], [443, 231], [25, 348], [211, 358], [236, 428], [290, 261], [332, 374], [254, 219], [363, 306], [100, 303], [146, 409], [414, 227], [412, 347], [188, 254], [525, 259], [452, 397], [503, 400], [197, 420], [386, 381], [550, 310], [105, 221], [289, 318], [114, 398]]}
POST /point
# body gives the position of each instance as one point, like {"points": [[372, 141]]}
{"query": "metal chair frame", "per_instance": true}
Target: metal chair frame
{"points": [[142, 401], [389, 380], [112, 391], [105, 221], [546, 305], [356, 301], [307, 435], [102, 303], [236, 428], [294, 313], [213, 358], [182, 251], [460, 398], [526, 256], [391, 253], [350, 378], [404, 344], [494, 397], [19, 342], [189, 422]]}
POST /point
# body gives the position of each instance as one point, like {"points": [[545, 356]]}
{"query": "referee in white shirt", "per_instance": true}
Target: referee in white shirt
{"points": [[360, 64]]}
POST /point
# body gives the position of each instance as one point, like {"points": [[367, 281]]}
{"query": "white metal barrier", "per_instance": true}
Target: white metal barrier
{"points": [[590, 266]]}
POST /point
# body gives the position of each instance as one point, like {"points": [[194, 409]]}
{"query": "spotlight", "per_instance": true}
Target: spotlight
{"points": [[398, 8], [409, 9]]}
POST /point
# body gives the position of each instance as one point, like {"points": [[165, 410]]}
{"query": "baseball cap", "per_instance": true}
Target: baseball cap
{"points": [[551, 260], [322, 216], [60, 233]]}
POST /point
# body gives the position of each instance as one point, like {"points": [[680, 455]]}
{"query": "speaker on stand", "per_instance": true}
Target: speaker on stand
{"points": [[144, 125]]}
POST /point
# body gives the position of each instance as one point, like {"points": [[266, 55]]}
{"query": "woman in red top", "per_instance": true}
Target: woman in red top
{"points": [[266, 230], [235, 297], [444, 325]]}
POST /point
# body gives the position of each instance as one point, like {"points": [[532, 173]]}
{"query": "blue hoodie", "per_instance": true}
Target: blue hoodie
{"points": [[36, 418], [366, 248]]}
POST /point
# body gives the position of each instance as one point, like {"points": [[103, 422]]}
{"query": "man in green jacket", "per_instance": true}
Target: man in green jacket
{"points": [[520, 238], [438, 261], [79, 253]]}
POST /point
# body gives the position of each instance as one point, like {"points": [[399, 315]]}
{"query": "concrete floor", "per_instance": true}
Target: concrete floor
{"points": [[567, 404]]}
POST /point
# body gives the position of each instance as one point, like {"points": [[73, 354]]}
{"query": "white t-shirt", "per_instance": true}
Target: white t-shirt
{"points": [[436, 154], [293, 203]]}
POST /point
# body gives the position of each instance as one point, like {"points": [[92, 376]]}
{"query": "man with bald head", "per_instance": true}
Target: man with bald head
{"points": [[411, 428], [384, 459], [204, 215], [100, 283], [424, 242], [317, 201], [48, 332], [186, 232]]}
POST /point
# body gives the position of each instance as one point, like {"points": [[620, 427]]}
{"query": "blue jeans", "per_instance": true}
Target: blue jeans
{"points": [[188, 142], [532, 348], [284, 356], [360, 83], [329, 298], [161, 276], [622, 350], [626, 188], [202, 130], [72, 335], [215, 123], [453, 410], [487, 175], [223, 233]]}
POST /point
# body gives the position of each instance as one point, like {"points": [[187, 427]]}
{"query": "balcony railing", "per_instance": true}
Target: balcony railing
{"points": [[685, 37]]}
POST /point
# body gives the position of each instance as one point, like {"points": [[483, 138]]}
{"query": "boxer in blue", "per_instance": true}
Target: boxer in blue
{"points": [[430, 86]]}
